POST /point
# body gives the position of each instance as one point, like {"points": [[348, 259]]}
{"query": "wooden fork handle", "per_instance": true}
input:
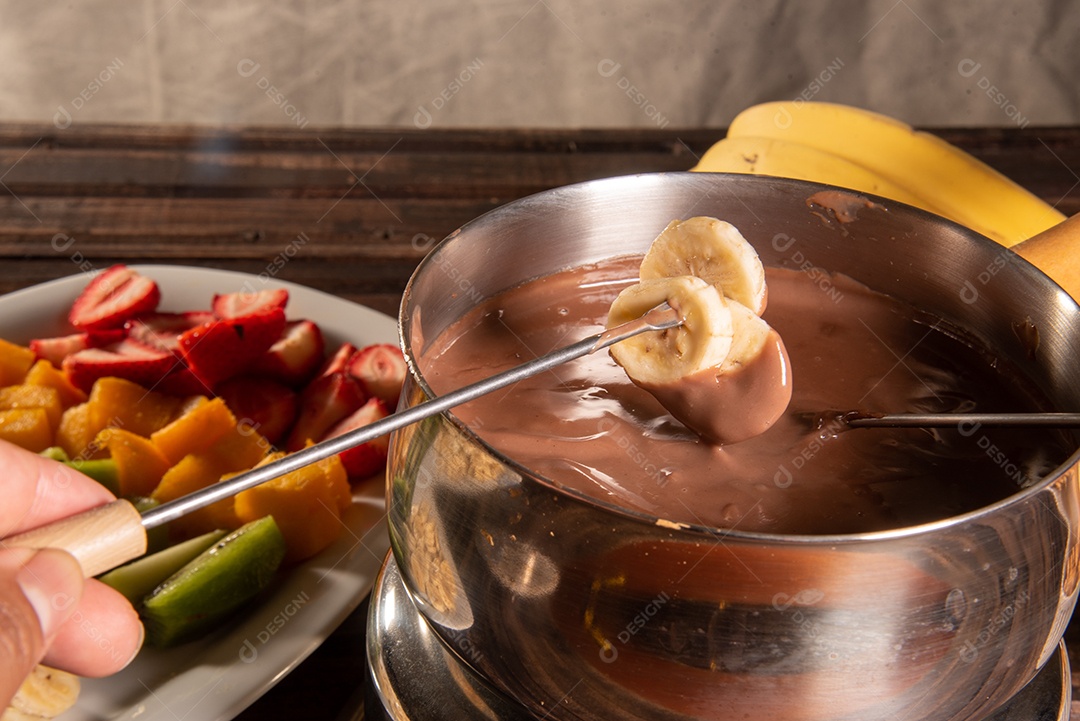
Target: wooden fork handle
{"points": [[101, 538]]}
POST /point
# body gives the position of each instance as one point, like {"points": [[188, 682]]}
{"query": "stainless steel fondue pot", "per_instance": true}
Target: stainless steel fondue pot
{"points": [[578, 609]]}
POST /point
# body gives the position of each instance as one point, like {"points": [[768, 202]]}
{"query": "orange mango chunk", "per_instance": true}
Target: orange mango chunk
{"points": [[306, 504], [44, 373], [234, 453], [139, 464], [15, 361], [197, 430], [27, 428], [26, 396], [191, 474], [75, 435], [237, 451], [244, 446], [119, 403]]}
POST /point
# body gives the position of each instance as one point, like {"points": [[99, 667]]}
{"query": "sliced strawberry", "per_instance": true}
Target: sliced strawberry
{"points": [[261, 404], [55, 350], [221, 349], [293, 358], [125, 359], [182, 382], [368, 458], [381, 370], [324, 402], [339, 362], [163, 330], [249, 302], [112, 297]]}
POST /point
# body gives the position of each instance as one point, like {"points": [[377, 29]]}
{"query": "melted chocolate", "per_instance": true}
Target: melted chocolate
{"points": [[585, 426]]}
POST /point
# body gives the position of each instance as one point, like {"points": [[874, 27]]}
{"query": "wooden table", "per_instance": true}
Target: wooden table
{"points": [[366, 204]]}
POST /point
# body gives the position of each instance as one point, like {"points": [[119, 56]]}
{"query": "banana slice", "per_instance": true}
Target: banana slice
{"points": [[701, 342], [46, 693], [712, 250], [751, 337], [724, 373]]}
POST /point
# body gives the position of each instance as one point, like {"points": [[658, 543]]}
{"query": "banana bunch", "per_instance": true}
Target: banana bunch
{"points": [[724, 371], [864, 151]]}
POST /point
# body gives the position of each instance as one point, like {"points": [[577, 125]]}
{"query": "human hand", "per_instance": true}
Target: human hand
{"points": [[48, 613]]}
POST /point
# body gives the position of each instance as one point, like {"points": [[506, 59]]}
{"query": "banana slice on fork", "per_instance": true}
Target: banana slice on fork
{"points": [[702, 342], [724, 373], [712, 250]]}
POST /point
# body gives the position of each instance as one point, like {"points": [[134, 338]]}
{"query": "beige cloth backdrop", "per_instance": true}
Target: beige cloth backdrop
{"points": [[534, 63]]}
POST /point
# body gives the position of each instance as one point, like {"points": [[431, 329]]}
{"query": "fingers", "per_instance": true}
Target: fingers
{"points": [[38, 490], [35, 588], [101, 636], [46, 612]]}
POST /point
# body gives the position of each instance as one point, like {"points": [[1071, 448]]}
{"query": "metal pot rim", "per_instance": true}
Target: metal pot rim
{"points": [[648, 519]]}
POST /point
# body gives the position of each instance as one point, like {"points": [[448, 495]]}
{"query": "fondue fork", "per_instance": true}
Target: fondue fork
{"points": [[104, 537], [864, 419]]}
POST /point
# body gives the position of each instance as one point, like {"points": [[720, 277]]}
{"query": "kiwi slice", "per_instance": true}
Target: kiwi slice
{"points": [[102, 470], [138, 578], [215, 583]]}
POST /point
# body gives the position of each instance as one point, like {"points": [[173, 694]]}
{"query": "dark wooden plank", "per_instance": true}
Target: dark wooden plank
{"points": [[168, 226], [319, 173], [239, 198], [243, 139], [110, 161]]}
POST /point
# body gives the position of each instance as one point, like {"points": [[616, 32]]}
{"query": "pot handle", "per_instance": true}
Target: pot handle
{"points": [[1056, 252]]}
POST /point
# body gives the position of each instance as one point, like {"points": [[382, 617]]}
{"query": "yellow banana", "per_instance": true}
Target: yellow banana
{"points": [[962, 188], [781, 158]]}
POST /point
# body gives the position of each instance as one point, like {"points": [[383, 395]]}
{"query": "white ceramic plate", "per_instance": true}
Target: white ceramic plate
{"points": [[219, 676]]}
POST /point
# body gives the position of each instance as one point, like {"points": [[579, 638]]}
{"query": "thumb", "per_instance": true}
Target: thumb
{"points": [[38, 593]]}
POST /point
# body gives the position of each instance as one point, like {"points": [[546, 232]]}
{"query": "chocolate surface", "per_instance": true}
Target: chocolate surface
{"points": [[585, 426]]}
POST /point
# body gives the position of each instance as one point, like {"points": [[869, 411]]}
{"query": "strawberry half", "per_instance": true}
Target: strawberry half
{"points": [[369, 458], [126, 359], [220, 349], [182, 382], [293, 358], [261, 404], [244, 302], [339, 362], [112, 297], [55, 350], [163, 330], [381, 370], [325, 401]]}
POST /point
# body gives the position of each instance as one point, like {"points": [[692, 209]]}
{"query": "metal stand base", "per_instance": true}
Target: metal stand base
{"points": [[413, 676]]}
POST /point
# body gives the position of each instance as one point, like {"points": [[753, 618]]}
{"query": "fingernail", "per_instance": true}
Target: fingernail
{"points": [[52, 582], [138, 646]]}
